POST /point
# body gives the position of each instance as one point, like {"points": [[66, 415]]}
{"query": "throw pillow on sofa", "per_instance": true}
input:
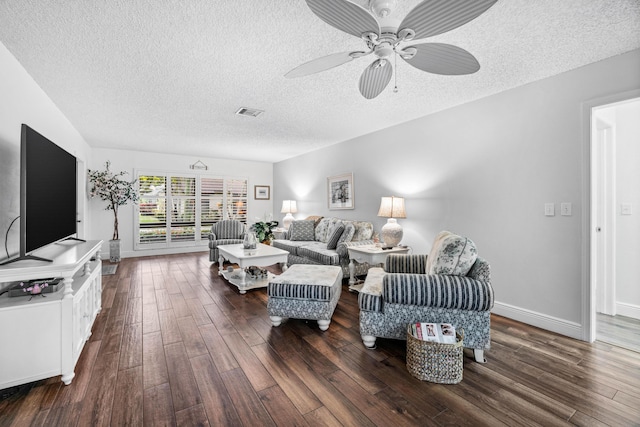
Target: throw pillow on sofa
{"points": [[455, 255], [301, 230], [435, 249], [348, 233], [335, 236]]}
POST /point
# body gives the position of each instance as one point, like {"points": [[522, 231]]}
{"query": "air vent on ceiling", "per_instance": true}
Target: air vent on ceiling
{"points": [[251, 112]]}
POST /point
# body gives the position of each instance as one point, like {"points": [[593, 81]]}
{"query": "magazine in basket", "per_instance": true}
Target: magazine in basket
{"points": [[436, 332]]}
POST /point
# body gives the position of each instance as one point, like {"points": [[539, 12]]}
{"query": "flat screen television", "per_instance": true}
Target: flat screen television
{"points": [[48, 188]]}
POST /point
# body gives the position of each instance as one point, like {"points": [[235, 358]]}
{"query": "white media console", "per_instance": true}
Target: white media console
{"points": [[43, 336]]}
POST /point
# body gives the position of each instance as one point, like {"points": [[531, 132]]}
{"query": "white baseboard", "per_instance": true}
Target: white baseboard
{"points": [[628, 310], [162, 251], [539, 320]]}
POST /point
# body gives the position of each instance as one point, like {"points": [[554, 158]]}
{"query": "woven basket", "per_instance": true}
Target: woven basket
{"points": [[434, 361]]}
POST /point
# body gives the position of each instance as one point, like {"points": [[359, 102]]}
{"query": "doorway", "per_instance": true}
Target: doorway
{"points": [[615, 241]]}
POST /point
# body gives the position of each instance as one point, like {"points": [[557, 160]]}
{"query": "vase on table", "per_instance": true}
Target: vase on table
{"points": [[250, 241]]}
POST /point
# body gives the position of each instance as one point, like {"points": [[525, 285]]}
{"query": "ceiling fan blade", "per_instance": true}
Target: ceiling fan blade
{"points": [[345, 16], [433, 17], [321, 64], [440, 58], [375, 78]]}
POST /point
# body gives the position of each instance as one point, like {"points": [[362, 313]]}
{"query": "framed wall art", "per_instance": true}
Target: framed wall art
{"points": [[340, 191], [261, 192]]}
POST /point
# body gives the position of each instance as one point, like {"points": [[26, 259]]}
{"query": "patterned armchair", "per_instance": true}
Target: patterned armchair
{"points": [[403, 293], [225, 232]]}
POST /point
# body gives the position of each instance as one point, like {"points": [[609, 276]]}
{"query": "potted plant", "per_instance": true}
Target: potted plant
{"points": [[114, 190], [264, 231]]}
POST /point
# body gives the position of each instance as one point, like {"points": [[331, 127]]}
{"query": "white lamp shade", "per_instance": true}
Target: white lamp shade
{"points": [[289, 206], [392, 207]]}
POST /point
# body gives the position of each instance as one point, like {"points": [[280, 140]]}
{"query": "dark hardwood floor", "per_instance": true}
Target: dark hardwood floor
{"points": [[176, 345]]}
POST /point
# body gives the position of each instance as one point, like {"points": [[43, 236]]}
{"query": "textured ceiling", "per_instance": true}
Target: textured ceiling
{"points": [[168, 76]]}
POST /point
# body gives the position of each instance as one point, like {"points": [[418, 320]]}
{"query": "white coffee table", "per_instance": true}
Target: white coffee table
{"points": [[262, 256], [370, 254]]}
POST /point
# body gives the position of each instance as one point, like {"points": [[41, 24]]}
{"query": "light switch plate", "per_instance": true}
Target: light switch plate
{"points": [[549, 209], [626, 209], [565, 209]]}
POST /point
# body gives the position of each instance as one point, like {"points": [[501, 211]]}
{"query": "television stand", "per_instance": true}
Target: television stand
{"points": [[74, 238], [26, 257], [43, 337]]}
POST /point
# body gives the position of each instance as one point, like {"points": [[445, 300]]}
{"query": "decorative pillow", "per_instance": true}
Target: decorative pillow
{"points": [[364, 231], [435, 249], [301, 230], [455, 256], [347, 234], [325, 228], [316, 219], [335, 236]]}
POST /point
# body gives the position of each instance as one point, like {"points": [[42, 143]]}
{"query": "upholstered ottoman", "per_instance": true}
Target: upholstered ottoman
{"points": [[305, 291]]}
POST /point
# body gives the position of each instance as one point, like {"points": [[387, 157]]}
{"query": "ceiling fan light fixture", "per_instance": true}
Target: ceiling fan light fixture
{"points": [[406, 34], [408, 52], [380, 63], [382, 8], [249, 112]]}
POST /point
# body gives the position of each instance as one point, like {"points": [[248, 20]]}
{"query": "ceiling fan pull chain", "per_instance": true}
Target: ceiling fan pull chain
{"points": [[395, 74]]}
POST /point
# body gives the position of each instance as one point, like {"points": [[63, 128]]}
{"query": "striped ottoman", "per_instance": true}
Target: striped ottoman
{"points": [[305, 291]]}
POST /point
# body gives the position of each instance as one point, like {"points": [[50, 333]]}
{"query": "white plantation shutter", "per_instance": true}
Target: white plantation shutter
{"points": [[183, 208], [152, 207], [211, 203], [178, 210], [237, 199]]}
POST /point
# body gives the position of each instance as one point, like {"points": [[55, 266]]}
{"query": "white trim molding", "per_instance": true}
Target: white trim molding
{"points": [[628, 310], [540, 320]]}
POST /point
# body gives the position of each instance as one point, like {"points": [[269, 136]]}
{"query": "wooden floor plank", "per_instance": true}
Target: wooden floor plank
{"points": [[169, 327], [184, 391], [217, 403], [128, 400], [340, 407], [292, 385], [158, 406], [193, 342], [131, 349], [194, 416], [220, 353], [98, 403], [280, 408], [154, 362], [253, 369], [247, 403], [150, 318]]}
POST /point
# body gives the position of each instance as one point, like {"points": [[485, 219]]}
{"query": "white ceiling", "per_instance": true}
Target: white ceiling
{"points": [[167, 76]]}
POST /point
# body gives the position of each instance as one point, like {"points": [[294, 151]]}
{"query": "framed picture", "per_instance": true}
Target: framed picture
{"points": [[261, 192], [340, 193]]}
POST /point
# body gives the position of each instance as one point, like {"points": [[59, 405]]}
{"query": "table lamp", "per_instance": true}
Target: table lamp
{"points": [[392, 208], [288, 207]]}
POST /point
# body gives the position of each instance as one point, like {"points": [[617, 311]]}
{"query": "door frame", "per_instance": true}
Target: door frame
{"points": [[588, 228]]}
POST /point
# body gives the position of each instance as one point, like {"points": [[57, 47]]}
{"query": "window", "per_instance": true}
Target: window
{"points": [[178, 210]]}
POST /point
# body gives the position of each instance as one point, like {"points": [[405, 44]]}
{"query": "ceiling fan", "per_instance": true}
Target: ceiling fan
{"points": [[385, 38]]}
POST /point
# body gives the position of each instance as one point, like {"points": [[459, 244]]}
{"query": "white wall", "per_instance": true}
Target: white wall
{"points": [[23, 101], [485, 170], [627, 121], [258, 173]]}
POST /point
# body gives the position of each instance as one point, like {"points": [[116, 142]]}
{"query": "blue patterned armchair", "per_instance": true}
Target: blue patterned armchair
{"points": [[403, 293], [225, 232]]}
